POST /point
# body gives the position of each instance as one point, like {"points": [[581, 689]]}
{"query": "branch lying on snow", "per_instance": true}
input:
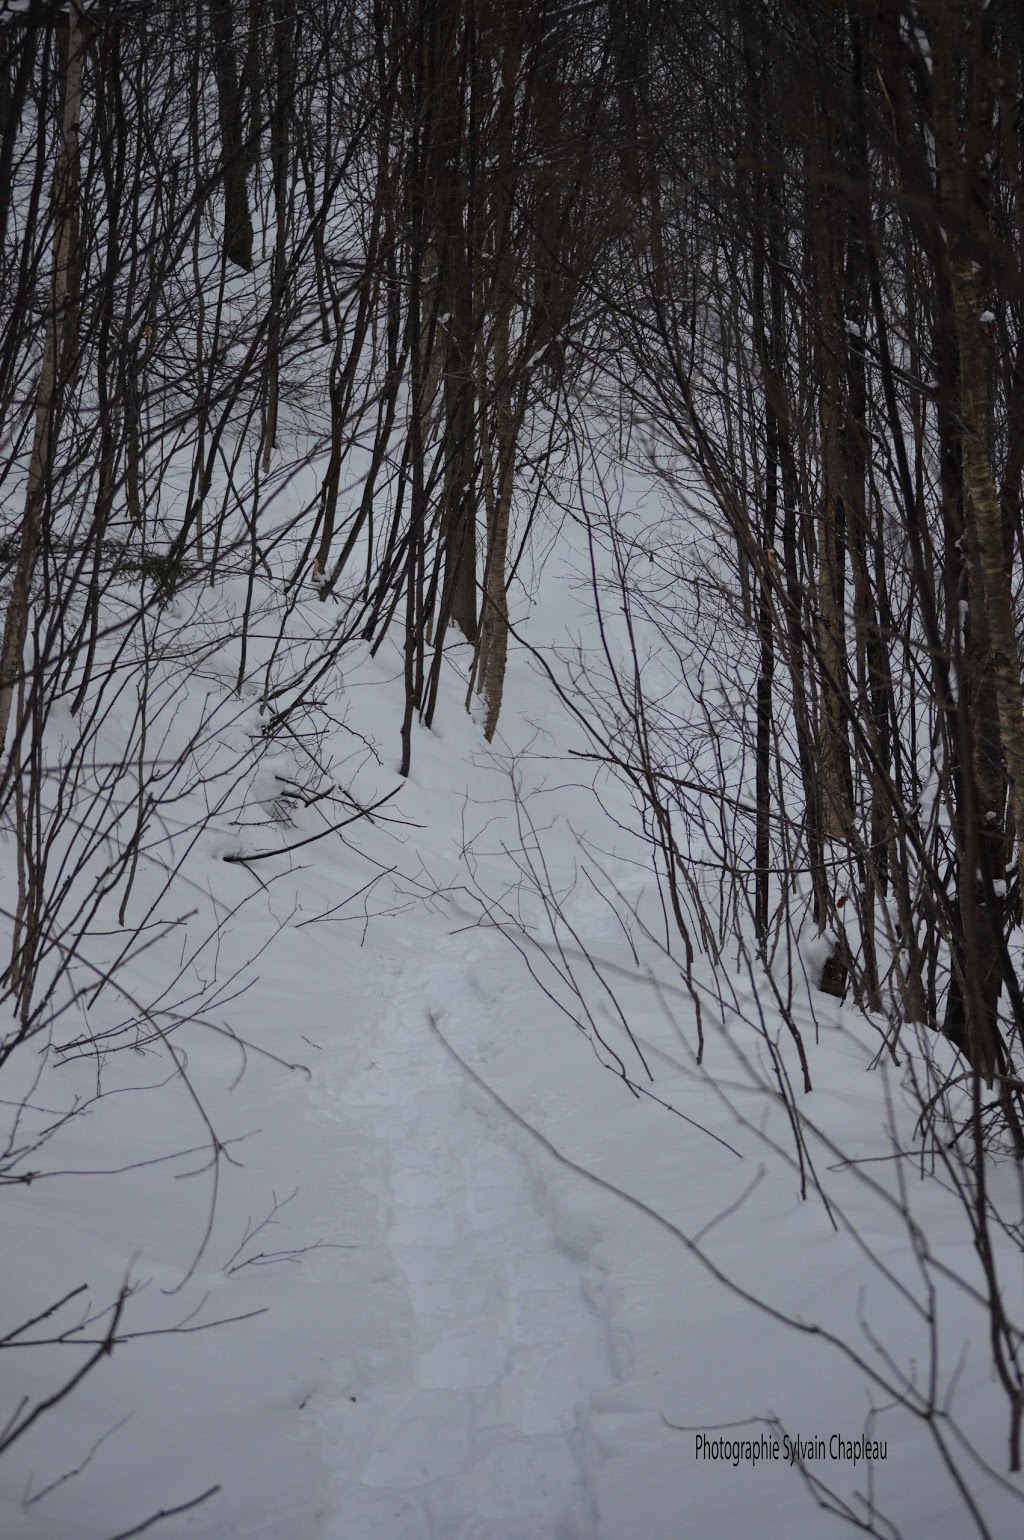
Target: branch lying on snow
{"points": [[69, 1475], [166, 1513], [364, 812], [287, 1254]]}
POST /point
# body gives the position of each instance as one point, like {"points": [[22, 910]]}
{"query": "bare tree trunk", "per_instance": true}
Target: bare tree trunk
{"points": [[499, 456], [833, 749], [284, 44], [498, 484], [238, 234], [991, 661], [55, 362]]}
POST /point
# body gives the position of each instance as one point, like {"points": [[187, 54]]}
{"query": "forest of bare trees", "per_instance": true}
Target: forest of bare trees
{"points": [[420, 248]]}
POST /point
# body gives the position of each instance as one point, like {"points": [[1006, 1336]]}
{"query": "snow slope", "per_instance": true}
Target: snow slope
{"points": [[452, 1254]]}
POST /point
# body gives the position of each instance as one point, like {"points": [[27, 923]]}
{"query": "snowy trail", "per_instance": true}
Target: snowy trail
{"points": [[470, 1418], [450, 1334]]}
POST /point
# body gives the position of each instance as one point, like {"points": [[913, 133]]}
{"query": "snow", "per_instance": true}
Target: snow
{"points": [[471, 1286]]}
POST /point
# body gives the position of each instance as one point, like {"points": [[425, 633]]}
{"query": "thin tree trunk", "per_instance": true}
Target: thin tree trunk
{"points": [[284, 26], [52, 369], [238, 235]]}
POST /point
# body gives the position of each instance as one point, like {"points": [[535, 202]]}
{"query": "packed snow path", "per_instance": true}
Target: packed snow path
{"points": [[462, 1411]]}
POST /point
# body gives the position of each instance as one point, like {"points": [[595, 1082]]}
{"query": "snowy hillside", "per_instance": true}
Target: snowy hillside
{"points": [[455, 1250]]}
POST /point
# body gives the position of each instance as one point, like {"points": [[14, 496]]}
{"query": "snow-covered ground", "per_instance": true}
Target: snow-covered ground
{"points": [[451, 1290]]}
